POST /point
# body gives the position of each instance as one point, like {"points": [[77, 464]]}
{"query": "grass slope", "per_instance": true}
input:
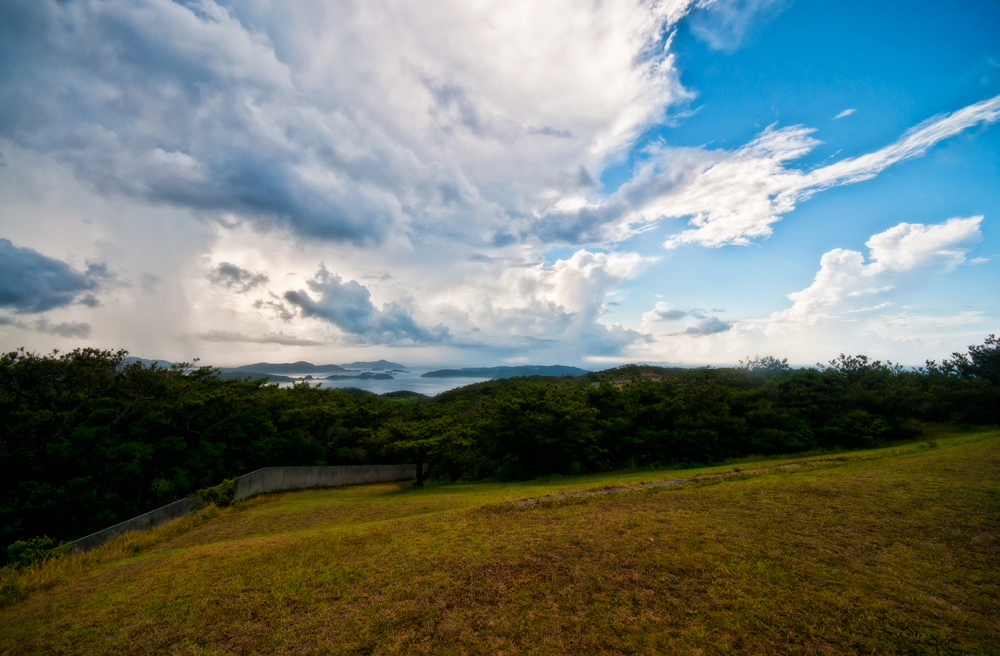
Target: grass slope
{"points": [[893, 551]]}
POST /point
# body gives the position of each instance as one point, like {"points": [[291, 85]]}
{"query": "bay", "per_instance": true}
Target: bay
{"points": [[410, 381]]}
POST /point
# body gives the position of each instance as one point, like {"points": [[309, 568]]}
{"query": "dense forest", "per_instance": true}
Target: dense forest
{"points": [[88, 438]]}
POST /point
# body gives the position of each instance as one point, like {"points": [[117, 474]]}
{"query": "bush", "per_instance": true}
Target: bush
{"points": [[23, 553], [222, 495]]}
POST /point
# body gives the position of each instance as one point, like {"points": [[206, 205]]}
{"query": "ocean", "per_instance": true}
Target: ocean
{"points": [[410, 381]]}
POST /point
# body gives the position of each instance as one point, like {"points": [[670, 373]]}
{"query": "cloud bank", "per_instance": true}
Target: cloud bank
{"points": [[354, 121]]}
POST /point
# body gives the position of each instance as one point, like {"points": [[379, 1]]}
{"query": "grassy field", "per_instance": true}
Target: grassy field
{"points": [[893, 551]]}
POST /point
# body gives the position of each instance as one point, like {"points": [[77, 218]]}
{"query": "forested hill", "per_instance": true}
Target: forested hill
{"points": [[88, 439], [506, 372]]}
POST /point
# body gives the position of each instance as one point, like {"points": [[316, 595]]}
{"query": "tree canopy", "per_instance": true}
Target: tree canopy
{"points": [[88, 439]]}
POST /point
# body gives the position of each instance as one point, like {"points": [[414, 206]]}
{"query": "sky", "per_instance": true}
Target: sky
{"points": [[463, 182]]}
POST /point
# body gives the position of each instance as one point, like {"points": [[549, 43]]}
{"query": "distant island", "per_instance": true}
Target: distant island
{"points": [[374, 366], [367, 375], [253, 375], [507, 372]]}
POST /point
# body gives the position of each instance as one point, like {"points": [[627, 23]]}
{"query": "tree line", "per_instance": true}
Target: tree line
{"points": [[89, 438]]}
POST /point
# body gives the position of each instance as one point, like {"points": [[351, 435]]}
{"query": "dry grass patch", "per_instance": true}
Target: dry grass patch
{"points": [[892, 553]]}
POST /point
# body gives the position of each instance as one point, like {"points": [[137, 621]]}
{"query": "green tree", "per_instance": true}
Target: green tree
{"points": [[981, 361], [420, 439]]}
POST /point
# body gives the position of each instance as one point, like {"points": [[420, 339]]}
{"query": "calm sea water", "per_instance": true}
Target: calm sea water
{"points": [[409, 381]]}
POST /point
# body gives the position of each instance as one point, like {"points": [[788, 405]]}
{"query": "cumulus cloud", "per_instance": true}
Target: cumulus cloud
{"points": [[910, 245], [663, 312], [236, 278], [854, 304], [578, 281], [31, 282], [844, 275], [348, 306], [709, 326], [355, 121], [510, 307], [564, 301]]}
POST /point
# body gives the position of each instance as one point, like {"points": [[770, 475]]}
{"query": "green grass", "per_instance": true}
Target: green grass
{"points": [[891, 551]]}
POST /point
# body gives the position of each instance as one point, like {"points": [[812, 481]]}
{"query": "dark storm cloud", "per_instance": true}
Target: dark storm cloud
{"points": [[31, 282], [183, 106], [236, 278], [708, 326], [348, 306]]}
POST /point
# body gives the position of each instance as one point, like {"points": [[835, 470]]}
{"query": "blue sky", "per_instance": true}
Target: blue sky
{"points": [[487, 183]]}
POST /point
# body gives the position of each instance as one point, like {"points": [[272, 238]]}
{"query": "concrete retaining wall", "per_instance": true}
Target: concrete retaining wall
{"points": [[148, 520], [269, 479], [275, 479]]}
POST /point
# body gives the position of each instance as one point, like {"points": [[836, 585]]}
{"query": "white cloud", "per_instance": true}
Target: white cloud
{"points": [[738, 198], [912, 144], [310, 132], [353, 121], [844, 275], [727, 24], [556, 309], [870, 308], [734, 197], [909, 245], [662, 312], [847, 308], [846, 112]]}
